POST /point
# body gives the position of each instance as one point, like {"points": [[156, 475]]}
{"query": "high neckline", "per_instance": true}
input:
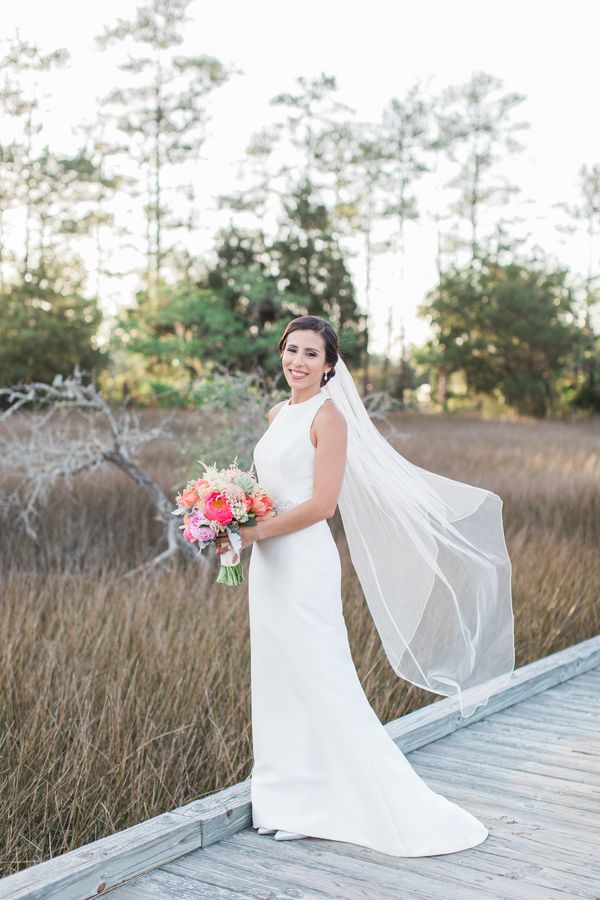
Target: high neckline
{"points": [[302, 402]]}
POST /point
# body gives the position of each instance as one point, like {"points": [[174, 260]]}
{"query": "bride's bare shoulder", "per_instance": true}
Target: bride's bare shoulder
{"points": [[330, 414], [330, 408]]}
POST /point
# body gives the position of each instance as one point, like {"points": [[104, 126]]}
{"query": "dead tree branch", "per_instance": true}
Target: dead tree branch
{"points": [[75, 431]]}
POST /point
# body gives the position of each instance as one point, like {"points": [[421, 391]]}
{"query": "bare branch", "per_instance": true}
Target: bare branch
{"points": [[72, 430]]}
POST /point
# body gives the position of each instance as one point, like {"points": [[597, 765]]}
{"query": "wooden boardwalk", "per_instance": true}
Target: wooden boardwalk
{"points": [[527, 765]]}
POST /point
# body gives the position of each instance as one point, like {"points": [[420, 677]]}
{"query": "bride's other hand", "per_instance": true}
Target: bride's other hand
{"points": [[248, 534], [256, 528]]}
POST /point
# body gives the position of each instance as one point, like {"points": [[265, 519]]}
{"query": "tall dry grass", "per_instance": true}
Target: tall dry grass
{"points": [[124, 698]]}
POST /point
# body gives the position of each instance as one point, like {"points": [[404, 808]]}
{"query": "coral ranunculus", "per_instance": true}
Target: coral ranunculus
{"points": [[261, 505], [188, 498], [217, 508]]}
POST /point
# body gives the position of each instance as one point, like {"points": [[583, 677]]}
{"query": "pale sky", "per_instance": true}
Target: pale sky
{"points": [[376, 50]]}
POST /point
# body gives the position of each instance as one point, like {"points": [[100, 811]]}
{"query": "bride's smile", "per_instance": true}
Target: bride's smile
{"points": [[303, 362]]}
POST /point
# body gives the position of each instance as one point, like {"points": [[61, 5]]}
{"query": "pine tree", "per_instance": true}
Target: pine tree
{"points": [[47, 326]]}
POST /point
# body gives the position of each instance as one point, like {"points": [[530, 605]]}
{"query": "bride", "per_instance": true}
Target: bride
{"points": [[431, 558]]}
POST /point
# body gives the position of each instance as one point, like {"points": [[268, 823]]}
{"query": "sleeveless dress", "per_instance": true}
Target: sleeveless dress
{"points": [[324, 766]]}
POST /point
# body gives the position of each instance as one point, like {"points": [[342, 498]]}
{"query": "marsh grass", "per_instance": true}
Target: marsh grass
{"points": [[122, 698]]}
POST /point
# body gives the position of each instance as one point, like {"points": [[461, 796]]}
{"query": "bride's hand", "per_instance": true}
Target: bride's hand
{"points": [[247, 533], [222, 544]]}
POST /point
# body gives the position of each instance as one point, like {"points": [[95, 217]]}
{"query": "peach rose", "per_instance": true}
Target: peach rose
{"points": [[188, 498], [261, 505]]}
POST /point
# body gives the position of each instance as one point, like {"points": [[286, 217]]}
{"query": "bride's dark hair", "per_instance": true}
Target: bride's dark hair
{"points": [[322, 327]]}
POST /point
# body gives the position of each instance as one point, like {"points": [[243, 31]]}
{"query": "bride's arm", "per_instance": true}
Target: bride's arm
{"points": [[330, 462]]}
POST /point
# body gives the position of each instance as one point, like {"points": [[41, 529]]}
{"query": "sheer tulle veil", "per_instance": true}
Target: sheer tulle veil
{"points": [[431, 557]]}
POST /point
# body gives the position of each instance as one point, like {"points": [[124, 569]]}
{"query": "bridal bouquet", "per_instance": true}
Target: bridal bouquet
{"points": [[219, 502]]}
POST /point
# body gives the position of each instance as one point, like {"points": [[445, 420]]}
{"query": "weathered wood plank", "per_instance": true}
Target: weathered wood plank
{"points": [[524, 754], [503, 721], [570, 695], [576, 694], [480, 768], [447, 875], [93, 868], [511, 719], [583, 697], [269, 875], [504, 761], [550, 712], [363, 873], [97, 866], [568, 705], [539, 741], [467, 792], [564, 736], [591, 677], [548, 721], [508, 853], [510, 811], [506, 814], [160, 885], [221, 813]]}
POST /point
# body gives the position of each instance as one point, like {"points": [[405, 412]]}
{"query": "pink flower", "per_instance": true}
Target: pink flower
{"points": [[198, 528], [217, 508], [197, 518]]}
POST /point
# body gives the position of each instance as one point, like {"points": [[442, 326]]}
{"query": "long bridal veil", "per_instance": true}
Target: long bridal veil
{"points": [[432, 561]]}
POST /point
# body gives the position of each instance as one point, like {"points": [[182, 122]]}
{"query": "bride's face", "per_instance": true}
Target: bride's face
{"points": [[304, 353]]}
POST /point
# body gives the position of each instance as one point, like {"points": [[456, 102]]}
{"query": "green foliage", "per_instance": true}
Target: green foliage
{"points": [[233, 318], [509, 328], [587, 396], [231, 322], [181, 332], [47, 326], [308, 258], [243, 279], [584, 393]]}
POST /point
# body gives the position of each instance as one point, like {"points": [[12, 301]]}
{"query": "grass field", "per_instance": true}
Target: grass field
{"points": [[122, 698]]}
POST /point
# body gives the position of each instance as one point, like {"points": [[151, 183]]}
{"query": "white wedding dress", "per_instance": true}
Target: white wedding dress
{"points": [[324, 765]]}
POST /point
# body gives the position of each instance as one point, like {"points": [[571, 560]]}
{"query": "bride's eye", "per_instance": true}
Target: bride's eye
{"points": [[310, 354]]}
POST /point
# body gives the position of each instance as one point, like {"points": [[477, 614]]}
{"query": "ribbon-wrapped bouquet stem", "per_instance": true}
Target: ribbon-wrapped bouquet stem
{"points": [[218, 502]]}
